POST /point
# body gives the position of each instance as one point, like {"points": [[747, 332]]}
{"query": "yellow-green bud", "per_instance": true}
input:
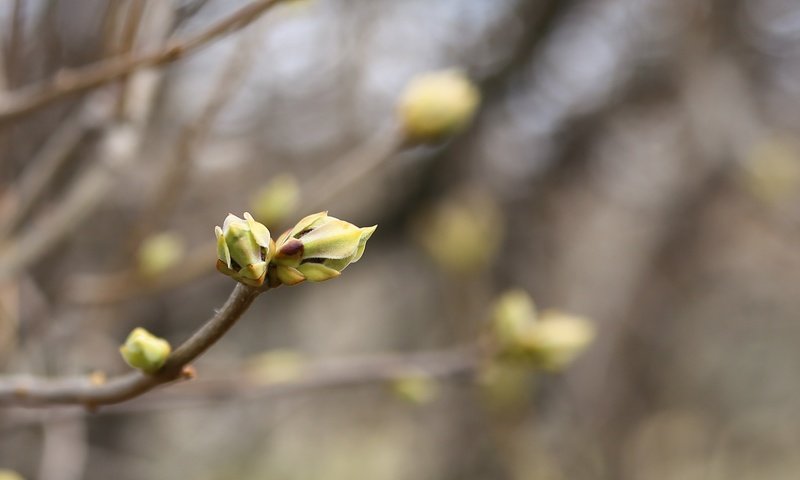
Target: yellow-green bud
{"points": [[318, 248], [557, 338], [158, 253], [145, 351], [549, 340], [463, 232], [506, 386], [243, 249], [276, 200], [415, 387], [6, 474], [514, 313], [772, 170], [437, 104], [276, 366]]}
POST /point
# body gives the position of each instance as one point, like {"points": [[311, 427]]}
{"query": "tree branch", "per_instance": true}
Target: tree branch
{"points": [[318, 375], [31, 98], [36, 392]]}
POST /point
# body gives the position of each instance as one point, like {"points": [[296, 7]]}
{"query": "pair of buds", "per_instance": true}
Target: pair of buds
{"points": [[317, 248]]}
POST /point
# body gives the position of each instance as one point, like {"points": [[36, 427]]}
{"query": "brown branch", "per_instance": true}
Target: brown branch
{"points": [[68, 82], [38, 392], [318, 375]]}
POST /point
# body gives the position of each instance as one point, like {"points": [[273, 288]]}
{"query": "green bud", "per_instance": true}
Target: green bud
{"points": [[276, 200], [506, 386], [549, 340], [514, 312], [158, 253], [415, 387], [243, 249], [463, 232], [557, 339], [318, 248], [276, 366], [771, 171], [437, 104], [145, 351], [6, 474]]}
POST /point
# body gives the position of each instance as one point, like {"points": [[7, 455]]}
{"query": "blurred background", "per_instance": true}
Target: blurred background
{"points": [[635, 162]]}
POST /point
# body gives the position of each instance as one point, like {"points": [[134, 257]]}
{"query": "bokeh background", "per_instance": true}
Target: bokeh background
{"points": [[633, 161]]}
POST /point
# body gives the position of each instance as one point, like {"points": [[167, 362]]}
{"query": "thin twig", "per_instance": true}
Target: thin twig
{"points": [[174, 180], [127, 40], [68, 82], [42, 169], [80, 202], [99, 289], [64, 449], [37, 392], [12, 56], [49, 229], [354, 167], [104, 289]]}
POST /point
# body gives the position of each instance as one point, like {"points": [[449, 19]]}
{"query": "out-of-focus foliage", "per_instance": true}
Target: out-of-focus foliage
{"points": [[634, 161]]}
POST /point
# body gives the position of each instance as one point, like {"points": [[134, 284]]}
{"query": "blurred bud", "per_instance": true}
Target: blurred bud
{"points": [[514, 312], [276, 200], [145, 351], [557, 338], [415, 387], [6, 474], [159, 253], [772, 170], [277, 366], [318, 248], [437, 104], [243, 249], [506, 386], [462, 233], [548, 340]]}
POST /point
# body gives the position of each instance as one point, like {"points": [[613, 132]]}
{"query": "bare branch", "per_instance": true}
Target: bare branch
{"points": [[318, 375], [31, 98], [37, 392]]}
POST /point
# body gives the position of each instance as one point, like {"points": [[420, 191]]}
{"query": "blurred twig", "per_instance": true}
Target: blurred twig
{"points": [[37, 392], [354, 167], [116, 287], [64, 449], [49, 160], [330, 182], [80, 201], [174, 180], [127, 40], [68, 82], [49, 229], [12, 54], [187, 10]]}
